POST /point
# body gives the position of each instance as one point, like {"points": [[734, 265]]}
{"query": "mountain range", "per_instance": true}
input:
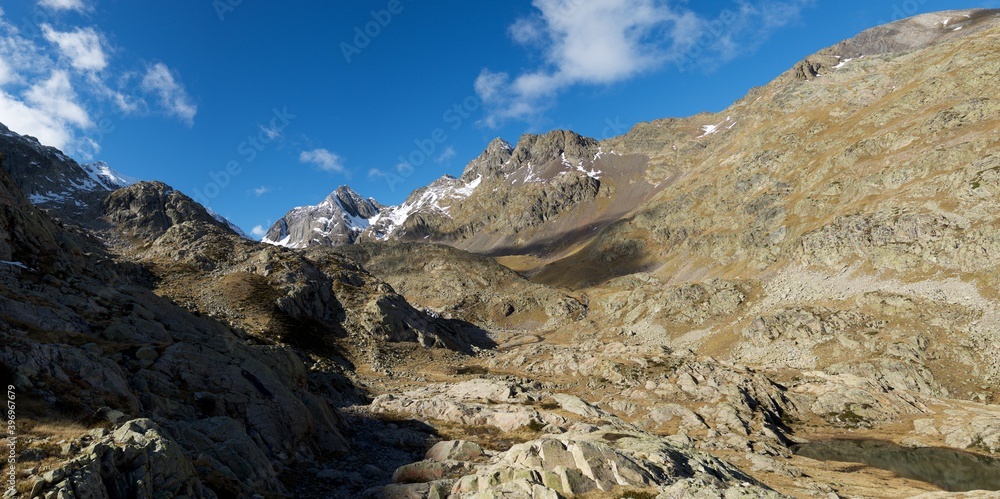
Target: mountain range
{"points": [[678, 311]]}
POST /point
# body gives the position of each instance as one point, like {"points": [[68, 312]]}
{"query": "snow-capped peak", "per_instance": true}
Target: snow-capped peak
{"points": [[110, 179], [341, 216]]}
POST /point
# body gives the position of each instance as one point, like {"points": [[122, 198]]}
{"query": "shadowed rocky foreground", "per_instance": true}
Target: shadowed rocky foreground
{"points": [[817, 262]]}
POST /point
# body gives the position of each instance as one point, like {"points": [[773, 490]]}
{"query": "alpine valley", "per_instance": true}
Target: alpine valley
{"points": [[679, 311]]}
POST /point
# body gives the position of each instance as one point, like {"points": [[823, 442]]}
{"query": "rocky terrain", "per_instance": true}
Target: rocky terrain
{"points": [[668, 313], [339, 219]]}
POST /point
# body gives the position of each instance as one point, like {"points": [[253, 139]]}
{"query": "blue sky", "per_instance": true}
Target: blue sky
{"points": [[254, 107]]}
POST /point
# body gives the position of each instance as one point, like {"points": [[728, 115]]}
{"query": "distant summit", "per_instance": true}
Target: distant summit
{"points": [[504, 194], [339, 219]]}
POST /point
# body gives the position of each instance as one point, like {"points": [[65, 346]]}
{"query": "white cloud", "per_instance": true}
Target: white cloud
{"points": [[55, 85], [123, 102], [21, 56], [258, 231], [76, 5], [7, 73], [48, 111], [56, 98], [325, 160], [446, 155], [601, 42], [173, 97], [82, 46], [527, 31], [260, 191], [489, 85], [26, 120]]}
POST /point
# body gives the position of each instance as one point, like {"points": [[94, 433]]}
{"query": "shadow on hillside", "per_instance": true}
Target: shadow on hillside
{"points": [[472, 335], [604, 256]]}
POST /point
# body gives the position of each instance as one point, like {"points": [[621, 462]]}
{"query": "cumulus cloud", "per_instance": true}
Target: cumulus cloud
{"points": [[446, 155], [56, 85], [324, 160], [48, 111], [57, 98], [82, 47], [76, 5], [601, 42], [258, 231], [174, 99], [7, 73], [260, 191]]}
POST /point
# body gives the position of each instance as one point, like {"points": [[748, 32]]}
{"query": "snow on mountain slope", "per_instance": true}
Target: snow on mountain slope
{"points": [[446, 190], [542, 177], [338, 219], [56, 182], [102, 174], [235, 228]]}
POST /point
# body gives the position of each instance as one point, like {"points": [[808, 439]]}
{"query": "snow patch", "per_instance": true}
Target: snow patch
{"points": [[391, 218], [726, 124], [101, 173], [593, 173], [843, 63], [284, 242], [467, 190], [225, 221], [48, 197]]}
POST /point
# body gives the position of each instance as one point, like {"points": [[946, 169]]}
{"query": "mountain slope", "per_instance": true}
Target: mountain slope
{"points": [[84, 345], [339, 219], [539, 197], [55, 182], [846, 198], [875, 132]]}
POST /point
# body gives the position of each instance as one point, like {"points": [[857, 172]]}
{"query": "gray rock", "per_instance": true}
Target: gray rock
{"points": [[428, 471], [454, 450], [136, 460]]}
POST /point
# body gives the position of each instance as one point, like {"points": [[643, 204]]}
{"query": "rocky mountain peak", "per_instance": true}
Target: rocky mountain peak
{"points": [[555, 145], [146, 210], [338, 219], [352, 203], [490, 162]]}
